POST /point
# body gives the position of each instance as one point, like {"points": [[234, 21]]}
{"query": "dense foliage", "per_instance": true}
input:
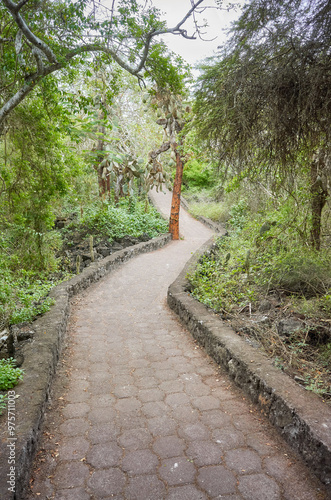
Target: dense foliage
{"points": [[71, 130], [40, 39], [129, 218], [261, 274], [9, 374], [9, 377]]}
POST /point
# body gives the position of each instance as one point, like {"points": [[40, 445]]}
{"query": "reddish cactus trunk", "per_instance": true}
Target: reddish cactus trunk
{"points": [[175, 203]]}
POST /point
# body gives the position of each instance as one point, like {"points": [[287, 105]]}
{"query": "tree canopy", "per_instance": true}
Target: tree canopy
{"points": [[38, 39], [265, 102]]}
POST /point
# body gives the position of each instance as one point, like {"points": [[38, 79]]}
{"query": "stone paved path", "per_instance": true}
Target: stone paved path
{"points": [[140, 412]]}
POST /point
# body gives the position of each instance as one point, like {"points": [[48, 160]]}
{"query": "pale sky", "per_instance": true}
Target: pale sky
{"points": [[196, 50]]}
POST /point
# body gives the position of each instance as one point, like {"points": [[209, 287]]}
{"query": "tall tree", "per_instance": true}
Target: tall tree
{"points": [[172, 108], [265, 102], [38, 39]]}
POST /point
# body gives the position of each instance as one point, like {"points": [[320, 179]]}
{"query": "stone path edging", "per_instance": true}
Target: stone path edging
{"points": [[303, 420], [40, 360]]}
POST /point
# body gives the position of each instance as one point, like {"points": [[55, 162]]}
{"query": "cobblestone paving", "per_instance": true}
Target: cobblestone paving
{"points": [[140, 412]]}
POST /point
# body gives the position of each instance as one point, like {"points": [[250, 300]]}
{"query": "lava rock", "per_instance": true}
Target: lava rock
{"points": [[265, 306], [288, 326]]}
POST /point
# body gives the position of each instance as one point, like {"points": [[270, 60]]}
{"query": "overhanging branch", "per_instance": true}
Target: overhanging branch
{"points": [[14, 10], [47, 63]]}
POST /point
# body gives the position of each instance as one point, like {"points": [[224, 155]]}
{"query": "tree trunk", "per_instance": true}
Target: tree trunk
{"points": [[103, 181], [175, 203], [318, 199]]}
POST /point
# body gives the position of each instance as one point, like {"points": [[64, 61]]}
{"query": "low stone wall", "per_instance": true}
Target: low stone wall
{"points": [[300, 416], [40, 360]]}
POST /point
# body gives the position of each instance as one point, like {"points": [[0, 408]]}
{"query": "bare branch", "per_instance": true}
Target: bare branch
{"points": [[33, 79], [42, 52], [177, 30], [6, 40], [14, 10], [21, 4], [112, 12], [156, 152]]}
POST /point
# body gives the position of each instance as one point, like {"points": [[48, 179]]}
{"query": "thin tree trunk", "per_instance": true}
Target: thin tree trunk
{"points": [[175, 203], [318, 200], [102, 180]]}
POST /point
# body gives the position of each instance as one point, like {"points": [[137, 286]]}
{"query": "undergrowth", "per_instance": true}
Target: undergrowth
{"points": [[9, 377], [24, 287], [129, 218], [265, 257]]}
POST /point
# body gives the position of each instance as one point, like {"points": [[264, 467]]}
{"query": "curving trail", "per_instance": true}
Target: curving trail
{"points": [[140, 412]]}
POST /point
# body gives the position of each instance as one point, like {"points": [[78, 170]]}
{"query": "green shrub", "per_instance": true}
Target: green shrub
{"points": [[9, 374], [23, 297], [301, 271], [129, 218], [215, 211], [259, 258], [3, 402], [239, 214], [197, 174]]}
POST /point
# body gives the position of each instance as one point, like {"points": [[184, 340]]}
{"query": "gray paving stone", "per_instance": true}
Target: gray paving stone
{"points": [[147, 382], [166, 375], [141, 412], [99, 401], [128, 405], [229, 438], [100, 377], [106, 483], [168, 446], [263, 443], [194, 432], [97, 388], [177, 399], [243, 461], [42, 488], [171, 386], [206, 403], [127, 421], [77, 410], [155, 409], [247, 423], [199, 389], [187, 492], [77, 396], [216, 419], [162, 426], [74, 427], [102, 432], [217, 480], [205, 453], [103, 414], [104, 455], [73, 448], [186, 413], [140, 462], [147, 487], [71, 474], [72, 494], [177, 471], [259, 487], [135, 439], [236, 407], [150, 395], [99, 367]]}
